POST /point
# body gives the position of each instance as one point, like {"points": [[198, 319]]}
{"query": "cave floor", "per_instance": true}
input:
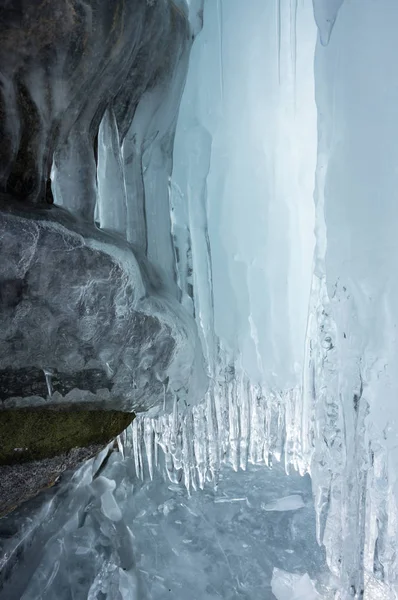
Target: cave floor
{"points": [[223, 543]]}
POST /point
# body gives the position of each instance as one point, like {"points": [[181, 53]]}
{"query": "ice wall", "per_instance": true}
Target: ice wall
{"points": [[355, 377], [243, 179], [243, 223], [305, 348]]}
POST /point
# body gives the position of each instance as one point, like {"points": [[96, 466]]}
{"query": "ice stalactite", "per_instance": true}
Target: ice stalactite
{"points": [[238, 423], [325, 13], [112, 193]]}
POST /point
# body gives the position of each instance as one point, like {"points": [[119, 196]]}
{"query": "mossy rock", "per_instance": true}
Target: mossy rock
{"points": [[38, 444]]}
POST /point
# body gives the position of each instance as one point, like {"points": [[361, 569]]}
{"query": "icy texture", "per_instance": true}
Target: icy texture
{"points": [[298, 329], [353, 327], [89, 96], [316, 338], [243, 229], [163, 543], [289, 586]]}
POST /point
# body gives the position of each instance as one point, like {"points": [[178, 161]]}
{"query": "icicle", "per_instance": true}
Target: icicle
{"points": [[213, 447], [220, 35], [111, 201], [48, 374], [233, 424], [293, 41], [149, 443], [279, 36], [244, 398], [137, 447], [199, 442], [186, 450]]}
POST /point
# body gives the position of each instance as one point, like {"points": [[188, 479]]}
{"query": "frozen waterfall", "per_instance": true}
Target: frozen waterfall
{"points": [[258, 181]]}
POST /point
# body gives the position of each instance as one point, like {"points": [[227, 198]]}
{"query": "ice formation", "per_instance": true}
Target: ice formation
{"points": [[288, 586], [89, 98], [294, 301]]}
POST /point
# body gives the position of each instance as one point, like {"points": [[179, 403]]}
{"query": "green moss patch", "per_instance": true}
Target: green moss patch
{"points": [[28, 434]]}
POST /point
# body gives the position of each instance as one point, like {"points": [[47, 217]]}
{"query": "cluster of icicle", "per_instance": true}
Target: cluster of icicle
{"points": [[237, 423]]}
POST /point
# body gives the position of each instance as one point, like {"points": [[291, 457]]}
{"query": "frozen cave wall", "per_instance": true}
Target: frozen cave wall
{"points": [[355, 380], [295, 300]]}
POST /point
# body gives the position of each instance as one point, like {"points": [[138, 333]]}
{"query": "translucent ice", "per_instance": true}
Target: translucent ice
{"points": [[325, 12], [109, 506], [293, 502], [289, 586]]}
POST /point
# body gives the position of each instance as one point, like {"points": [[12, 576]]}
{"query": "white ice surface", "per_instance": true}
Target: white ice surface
{"points": [[293, 502], [291, 586]]}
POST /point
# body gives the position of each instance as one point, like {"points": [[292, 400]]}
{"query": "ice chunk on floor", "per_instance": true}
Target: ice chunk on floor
{"points": [[101, 484], [291, 586], [292, 502], [169, 543], [110, 507], [128, 585]]}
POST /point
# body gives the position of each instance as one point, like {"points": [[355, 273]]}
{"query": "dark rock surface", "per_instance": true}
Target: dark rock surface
{"points": [[38, 444], [62, 63], [21, 482]]}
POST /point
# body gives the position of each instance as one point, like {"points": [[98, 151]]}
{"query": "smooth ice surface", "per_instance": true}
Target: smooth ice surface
{"points": [[242, 197]]}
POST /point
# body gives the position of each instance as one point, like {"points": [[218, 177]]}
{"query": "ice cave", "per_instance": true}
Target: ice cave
{"points": [[198, 299]]}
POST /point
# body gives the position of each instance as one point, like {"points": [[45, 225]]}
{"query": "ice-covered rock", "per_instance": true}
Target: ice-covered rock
{"points": [[82, 312]]}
